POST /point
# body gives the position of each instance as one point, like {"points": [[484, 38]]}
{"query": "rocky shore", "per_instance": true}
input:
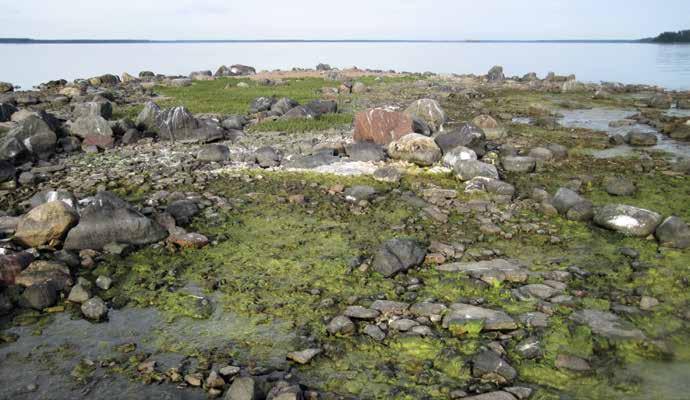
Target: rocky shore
{"points": [[342, 234]]}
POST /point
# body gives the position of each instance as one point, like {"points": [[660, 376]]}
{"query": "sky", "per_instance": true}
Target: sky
{"points": [[346, 19]]}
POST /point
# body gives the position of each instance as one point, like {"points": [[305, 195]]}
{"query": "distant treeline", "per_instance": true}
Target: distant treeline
{"points": [[671, 37]]}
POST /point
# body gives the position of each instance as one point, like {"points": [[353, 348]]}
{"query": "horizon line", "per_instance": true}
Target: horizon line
{"points": [[10, 40]]}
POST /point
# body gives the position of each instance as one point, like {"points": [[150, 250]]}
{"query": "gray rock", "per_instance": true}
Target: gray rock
{"points": [[489, 366], [267, 157], [341, 325], [241, 389], [94, 309], [467, 135], [559, 152], [500, 395], [538, 291], [398, 255], [79, 294], [183, 211], [617, 139], [402, 325], [361, 192], [40, 296], [467, 170], [365, 151], [673, 232], [541, 154], [637, 138], [236, 122], [627, 220], [388, 174], [566, 361], [428, 309], [499, 269], [319, 107], [359, 312], [565, 199], [214, 153], [429, 111], [495, 74], [374, 332], [491, 320], [619, 186], [108, 219], [299, 112], [519, 164], [457, 154], [312, 161], [607, 324], [261, 104], [32, 137], [582, 211], [104, 282], [93, 109], [6, 111], [91, 125], [529, 348], [389, 307], [283, 105], [303, 356]]}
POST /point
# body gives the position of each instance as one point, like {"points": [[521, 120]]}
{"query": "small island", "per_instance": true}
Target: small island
{"points": [[671, 37]]}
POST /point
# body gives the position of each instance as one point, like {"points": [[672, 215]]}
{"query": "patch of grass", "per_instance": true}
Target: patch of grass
{"points": [[296, 125], [129, 111], [223, 96]]}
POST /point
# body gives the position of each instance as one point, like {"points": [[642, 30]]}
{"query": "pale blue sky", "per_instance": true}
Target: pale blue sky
{"points": [[345, 19]]}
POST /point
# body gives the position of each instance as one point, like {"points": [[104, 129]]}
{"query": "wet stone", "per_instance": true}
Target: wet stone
{"points": [[94, 309], [374, 332], [359, 312], [303, 356], [341, 325], [490, 366]]}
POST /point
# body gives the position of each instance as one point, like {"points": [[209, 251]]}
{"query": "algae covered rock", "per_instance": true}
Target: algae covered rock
{"points": [[627, 220], [398, 255]]}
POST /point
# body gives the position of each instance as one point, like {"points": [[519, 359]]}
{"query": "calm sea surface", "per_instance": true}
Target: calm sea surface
{"points": [[663, 65]]}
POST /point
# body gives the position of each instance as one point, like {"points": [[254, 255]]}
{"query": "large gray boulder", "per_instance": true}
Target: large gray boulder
{"points": [[429, 111], [495, 74], [398, 255], [565, 199], [415, 148], [628, 220], [93, 108], [108, 219], [177, 124], [241, 389], [466, 170], [673, 232], [467, 135], [33, 136], [89, 125]]}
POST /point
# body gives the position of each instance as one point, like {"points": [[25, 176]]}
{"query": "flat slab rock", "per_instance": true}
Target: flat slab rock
{"points": [[493, 320], [510, 270], [607, 324]]}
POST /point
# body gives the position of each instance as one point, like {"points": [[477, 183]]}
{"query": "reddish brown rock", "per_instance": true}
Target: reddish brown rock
{"points": [[11, 266], [381, 126], [40, 272], [99, 141], [46, 224], [187, 240]]}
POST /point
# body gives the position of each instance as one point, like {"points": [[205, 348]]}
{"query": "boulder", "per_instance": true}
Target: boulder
{"points": [[398, 255], [381, 126], [489, 126], [235, 70], [495, 74], [94, 309], [638, 138], [102, 109], [341, 325], [518, 164], [283, 105], [46, 224], [489, 366], [108, 219], [6, 87], [319, 107], [660, 100], [565, 199], [415, 148], [201, 75], [429, 111], [673, 232], [11, 265], [236, 122], [628, 220], [467, 135], [214, 152], [260, 104], [466, 170], [39, 272], [182, 211], [33, 136], [619, 186], [681, 132], [267, 157], [6, 111], [460, 316], [460, 153], [299, 112], [365, 151], [91, 125], [40, 296], [242, 388]]}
